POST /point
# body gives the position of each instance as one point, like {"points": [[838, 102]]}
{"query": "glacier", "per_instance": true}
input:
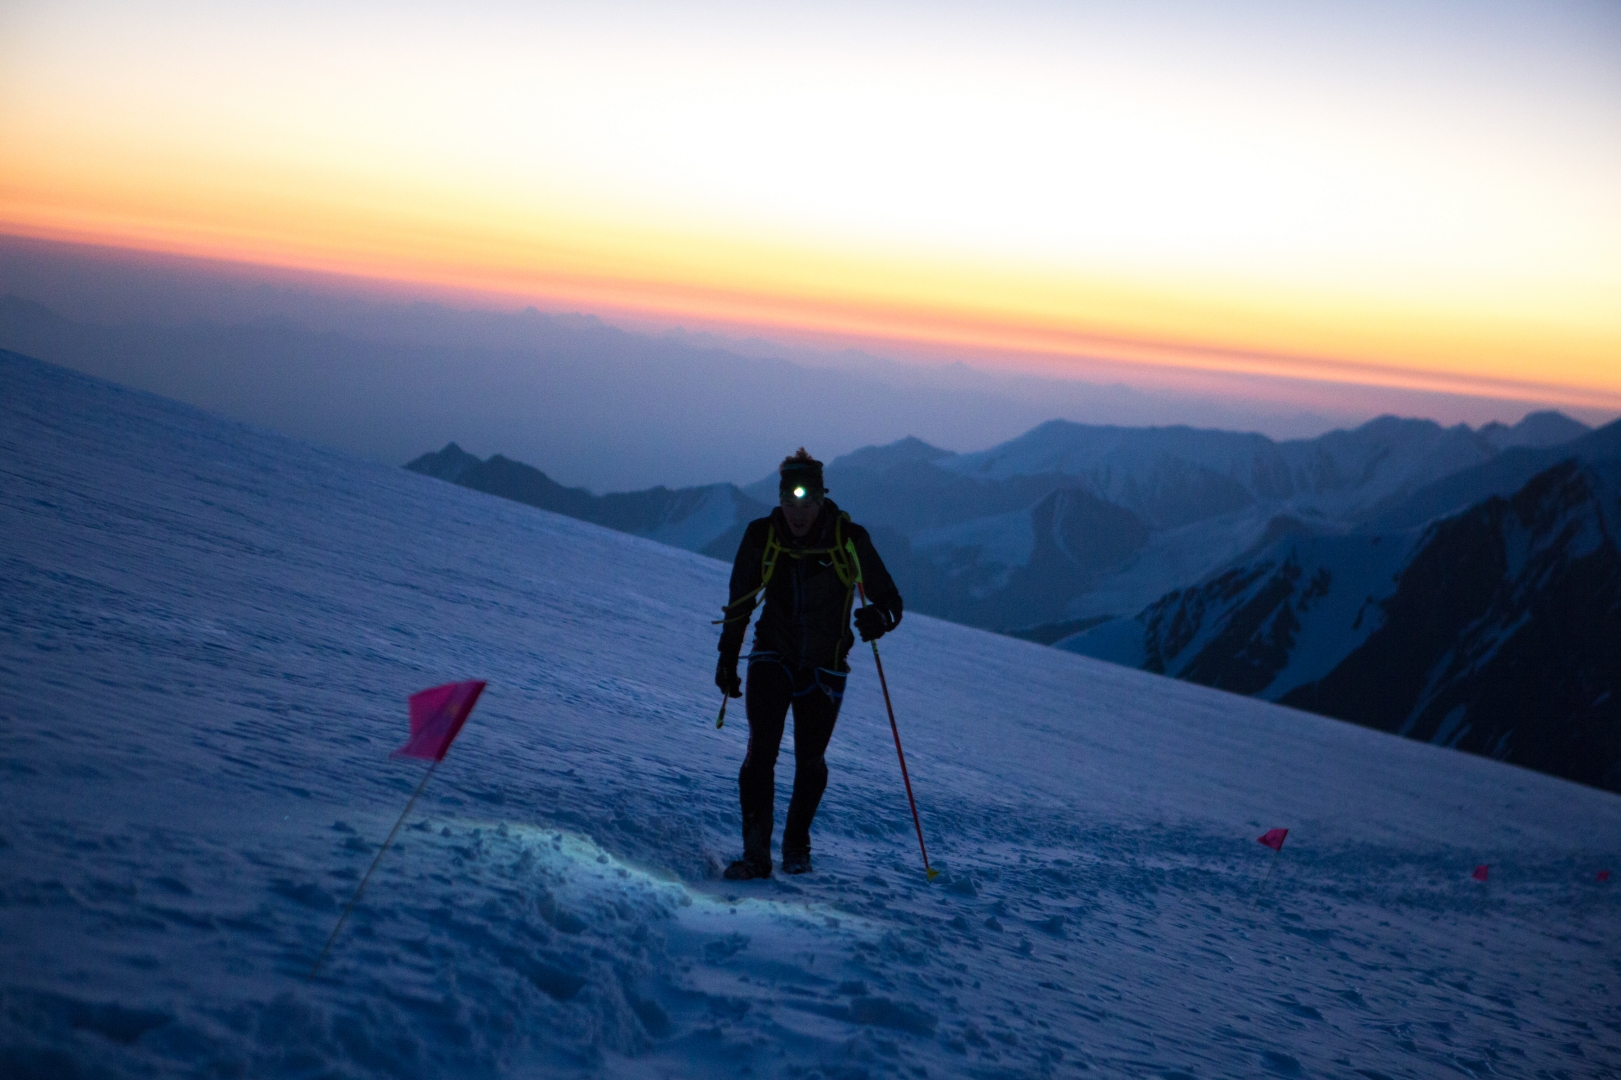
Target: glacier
{"points": [[209, 632]]}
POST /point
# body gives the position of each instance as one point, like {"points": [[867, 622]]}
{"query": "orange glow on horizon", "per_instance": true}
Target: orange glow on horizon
{"points": [[1022, 339], [975, 187]]}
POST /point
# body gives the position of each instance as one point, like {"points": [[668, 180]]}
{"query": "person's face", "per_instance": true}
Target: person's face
{"points": [[800, 511]]}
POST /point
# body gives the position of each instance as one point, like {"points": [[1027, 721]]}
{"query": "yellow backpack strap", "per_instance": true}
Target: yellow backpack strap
{"points": [[768, 560], [855, 560], [768, 566], [843, 554], [847, 565]]}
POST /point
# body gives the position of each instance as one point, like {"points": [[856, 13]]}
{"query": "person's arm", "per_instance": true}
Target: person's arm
{"points": [[880, 588], [742, 597]]}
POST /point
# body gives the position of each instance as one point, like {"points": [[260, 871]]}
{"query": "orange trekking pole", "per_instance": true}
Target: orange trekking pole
{"points": [[929, 870]]}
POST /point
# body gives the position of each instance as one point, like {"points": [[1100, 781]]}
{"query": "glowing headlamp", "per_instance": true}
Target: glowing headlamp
{"points": [[801, 495]]}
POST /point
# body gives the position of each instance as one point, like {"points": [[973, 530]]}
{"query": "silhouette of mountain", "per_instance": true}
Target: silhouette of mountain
{"points": [[707, 519], [451, 463]]}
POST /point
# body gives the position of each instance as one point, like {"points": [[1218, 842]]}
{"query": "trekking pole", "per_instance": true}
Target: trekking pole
{"points": [[347, 908], [929, 870]]}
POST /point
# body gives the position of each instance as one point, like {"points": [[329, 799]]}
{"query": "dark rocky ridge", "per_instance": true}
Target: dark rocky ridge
{"points": [[1503, 637]]}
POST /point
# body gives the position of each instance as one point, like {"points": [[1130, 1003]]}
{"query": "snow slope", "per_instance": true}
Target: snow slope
{"points": [[207, 639]]}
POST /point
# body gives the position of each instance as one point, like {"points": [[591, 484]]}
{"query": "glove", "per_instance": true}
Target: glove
{"points": [[726, 677], [874, 622]]}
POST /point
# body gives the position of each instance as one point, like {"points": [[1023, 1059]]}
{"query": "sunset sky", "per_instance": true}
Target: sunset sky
{"points": [[1423, 195]]}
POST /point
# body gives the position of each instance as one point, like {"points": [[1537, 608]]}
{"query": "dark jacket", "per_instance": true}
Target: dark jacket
{"points": [[805, 621]]}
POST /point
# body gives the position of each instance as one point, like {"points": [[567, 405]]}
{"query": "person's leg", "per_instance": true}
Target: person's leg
{"points": [[815, 713], [767, 697]]}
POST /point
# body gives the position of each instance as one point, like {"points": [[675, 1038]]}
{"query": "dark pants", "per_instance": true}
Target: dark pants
{"points": [[815, 695]]}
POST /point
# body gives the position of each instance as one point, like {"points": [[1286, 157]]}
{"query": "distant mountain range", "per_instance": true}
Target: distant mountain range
{"points": [[1069, 523], [1496, 629]]}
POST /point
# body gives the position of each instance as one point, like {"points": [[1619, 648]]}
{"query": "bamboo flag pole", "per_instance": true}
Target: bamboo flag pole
{"points": [[437, 716], [353, 900]]}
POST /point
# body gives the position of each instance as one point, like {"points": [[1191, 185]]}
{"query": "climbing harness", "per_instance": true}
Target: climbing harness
{"points": [[828, 680]]}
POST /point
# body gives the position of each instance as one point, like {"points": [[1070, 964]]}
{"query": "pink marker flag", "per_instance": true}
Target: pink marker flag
{"points": [[1480, 872], [1604, 875], [437, 715], [1273, 839]]}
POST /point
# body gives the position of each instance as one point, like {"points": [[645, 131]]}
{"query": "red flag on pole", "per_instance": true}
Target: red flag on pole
{"points": [[1272, 838], [1480, 872], [437, 715]]}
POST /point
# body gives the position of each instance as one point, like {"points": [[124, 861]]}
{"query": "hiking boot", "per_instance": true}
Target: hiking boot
{"points": [[746, 869], [796, 860]]}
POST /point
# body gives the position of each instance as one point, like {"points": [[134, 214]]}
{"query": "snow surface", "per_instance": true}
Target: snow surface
{"points": [[208, 636], [1118, 640]]}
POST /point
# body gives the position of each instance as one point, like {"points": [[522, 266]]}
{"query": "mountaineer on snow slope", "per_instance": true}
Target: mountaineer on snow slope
{"points": [[806, 559]]}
